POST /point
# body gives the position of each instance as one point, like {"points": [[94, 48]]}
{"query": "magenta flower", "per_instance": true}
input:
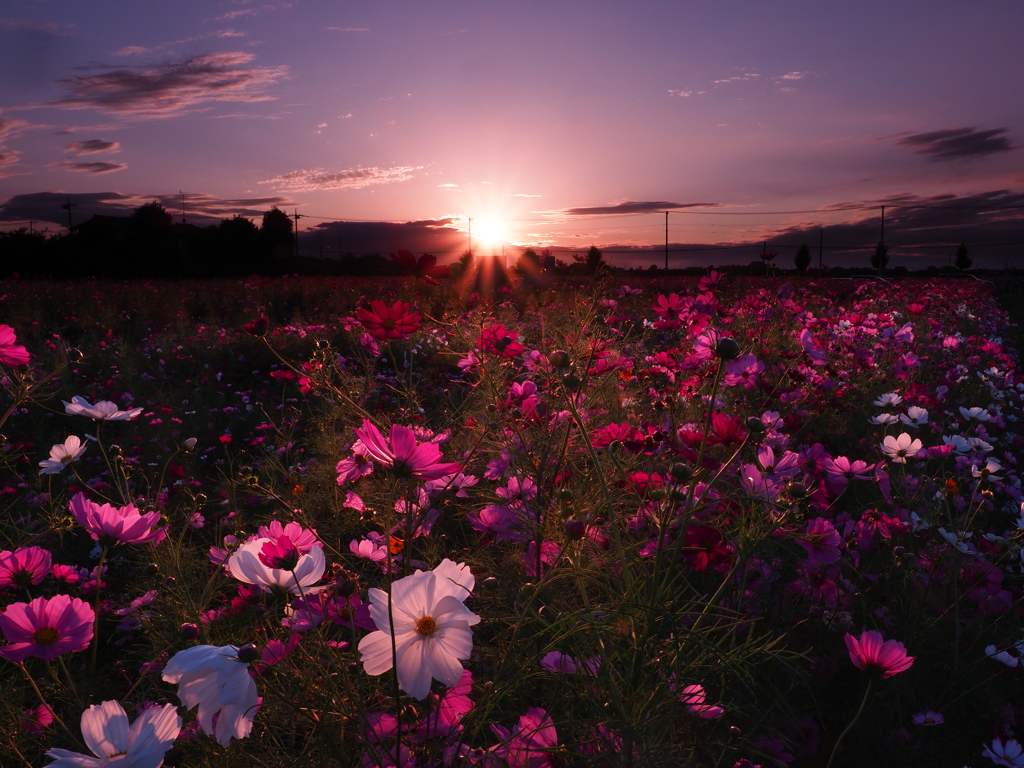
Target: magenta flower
{"points": [[10, 353], [693, 697], [383, 322], [869, 652], [24, 567], [115, 525], [279, 554], [403, 454], [46, 628], [821, 542], [532, 743], [34, 722]]}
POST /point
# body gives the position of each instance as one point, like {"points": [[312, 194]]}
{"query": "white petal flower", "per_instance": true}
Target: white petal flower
{"points": [[218, 683], [245, 565], [432, 632], [889, 398], [61, 455], [899, 449], [884, 418], [915, 416], [106, 732], [975, 414], [104, 410]]}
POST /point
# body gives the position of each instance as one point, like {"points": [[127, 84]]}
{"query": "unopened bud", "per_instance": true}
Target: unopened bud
{"points": [[247, 654], [727, 348], [559, 359], [681, 472], [754, 424], [190, 631], [190, 443], [575, 529]]}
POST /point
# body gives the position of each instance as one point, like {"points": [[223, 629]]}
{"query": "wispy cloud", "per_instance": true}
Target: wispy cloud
{"points": [[630, 207], [94, 167], [9, 127], [318, 179], [957, 143], [91, 146], [168, 89], [349, 29], [746, 76], [11, 24]]}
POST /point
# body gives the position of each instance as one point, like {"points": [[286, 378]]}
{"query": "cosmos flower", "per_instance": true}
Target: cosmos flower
{"points": [[61, 455], [104, 410], [403, 454], [106, 732], [23, 567], [869, 652], [247, 565], [1010, 754], [35, 721], [46, 628], [11, 354], [118, 525], [928, 718], [431, 628], [395, 322], [693, 697], [215, 680], [901, 448]]}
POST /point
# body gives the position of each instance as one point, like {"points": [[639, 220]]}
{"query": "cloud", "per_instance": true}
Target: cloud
{"points": [[957, 143], [9, 127], [349, 29], [10, 24], [200, 208], [681, 94], [794, 76], [437, 236], [168, 89], [630, 206], [91, 146], [318, 180], [94, 167], [738, 78]]}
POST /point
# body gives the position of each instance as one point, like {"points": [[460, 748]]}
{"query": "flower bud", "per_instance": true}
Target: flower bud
{"points": [[190, 443], [681, 472], [247, 654], [575, 529], [754, 424], [727, 348], [559, 359], [190, 631]]}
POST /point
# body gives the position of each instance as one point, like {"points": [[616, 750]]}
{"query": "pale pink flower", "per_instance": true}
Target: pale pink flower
{"points": [[104, 410], [693, 697], [431, 628], [61, 455], [118, 525], [1010, 754], [246, 566], [106, 732], [219, 684], [46, 628], [901, 448], [869, 652]]}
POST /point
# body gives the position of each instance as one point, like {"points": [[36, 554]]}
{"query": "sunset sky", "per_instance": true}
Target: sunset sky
{"points": [[388, 125]]}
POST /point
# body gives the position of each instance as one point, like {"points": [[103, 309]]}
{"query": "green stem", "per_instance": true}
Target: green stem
{"points": [[856, 717]]}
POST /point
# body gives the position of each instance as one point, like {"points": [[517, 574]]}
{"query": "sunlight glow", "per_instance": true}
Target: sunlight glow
{"points": [[488, 233]]}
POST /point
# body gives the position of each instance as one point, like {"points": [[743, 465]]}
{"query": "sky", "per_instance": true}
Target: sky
{"points": [[436, 126]]}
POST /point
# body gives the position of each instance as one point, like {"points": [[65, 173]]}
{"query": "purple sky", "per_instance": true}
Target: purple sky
{"points": [[389, 124]]}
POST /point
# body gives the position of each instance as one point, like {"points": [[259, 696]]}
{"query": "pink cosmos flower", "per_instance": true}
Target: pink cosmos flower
{"points": [[821, 541], [46, 628], [355, 466], [869, 652], [215, 680], [11, 354], [35, 721], [532, 743], [403, 454], [496, 340], [744, 370], [246, 565], [61, 455], [928, 718], [24, 567], [431, 628], [302, 538], [106, 732], [279, 554], [693, 697], [901, 448], [395, 322], [104, 410], [557, 661], [118, 525]]}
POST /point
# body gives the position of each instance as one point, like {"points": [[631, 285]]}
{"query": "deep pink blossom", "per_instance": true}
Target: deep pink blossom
{"points": [[870, 652], [383, 322], [24, 567], [400, 451], [115, 525], [11, 354], [46, 628]]}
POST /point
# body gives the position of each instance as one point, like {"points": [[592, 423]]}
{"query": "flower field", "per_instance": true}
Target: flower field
{"points": [[710, 522]]}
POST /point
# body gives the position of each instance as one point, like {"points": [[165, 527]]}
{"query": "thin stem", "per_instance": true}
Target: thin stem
{"points": [[863, 703]]}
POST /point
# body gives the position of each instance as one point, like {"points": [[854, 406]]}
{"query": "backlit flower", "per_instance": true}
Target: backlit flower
{"points": [[46, 628], [395, 322], [431, 628], [901, 448], [870, 652], [246, 565], [104, 410], [10, 353], [23, 567], [693, 697], [61, 455], [401, 452], [1010, 754], [106, 732], [118, 525], [219, 684]]}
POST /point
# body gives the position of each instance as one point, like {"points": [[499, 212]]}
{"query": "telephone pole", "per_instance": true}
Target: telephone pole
{"points": [[67, 207], [297, 216], [666, 241]]}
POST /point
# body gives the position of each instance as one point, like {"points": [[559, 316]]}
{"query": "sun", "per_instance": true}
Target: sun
{"points": [[488, 233]]}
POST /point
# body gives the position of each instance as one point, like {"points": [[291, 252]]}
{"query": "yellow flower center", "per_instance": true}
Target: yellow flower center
{"points": [[426, 625], [45, 636]]}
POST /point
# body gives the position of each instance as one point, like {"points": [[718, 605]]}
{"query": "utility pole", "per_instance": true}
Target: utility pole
{"points": [[821, 246], [469, 244], [297, 216], [883, 226], [666, 241], [67, 207], [182, 206]]}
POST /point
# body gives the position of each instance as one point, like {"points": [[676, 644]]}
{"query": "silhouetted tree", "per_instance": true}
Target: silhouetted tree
{"points": [[276, 234], [528, 263], [880, 258], [594, 260], [963, 260], [239, 240], [802, 260], [22, 251]]}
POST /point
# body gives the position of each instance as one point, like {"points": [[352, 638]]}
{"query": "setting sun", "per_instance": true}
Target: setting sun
{"points": [[488, 233]]}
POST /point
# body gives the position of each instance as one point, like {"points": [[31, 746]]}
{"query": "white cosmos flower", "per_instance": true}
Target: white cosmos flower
{"points": [[899, 449], [975, 414], [889, 398], [106, 732], [432, 632], [61, 455], [104, 410], [915, 416], [219, 684], [245, 565], [959, 443], [884, 418]]}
